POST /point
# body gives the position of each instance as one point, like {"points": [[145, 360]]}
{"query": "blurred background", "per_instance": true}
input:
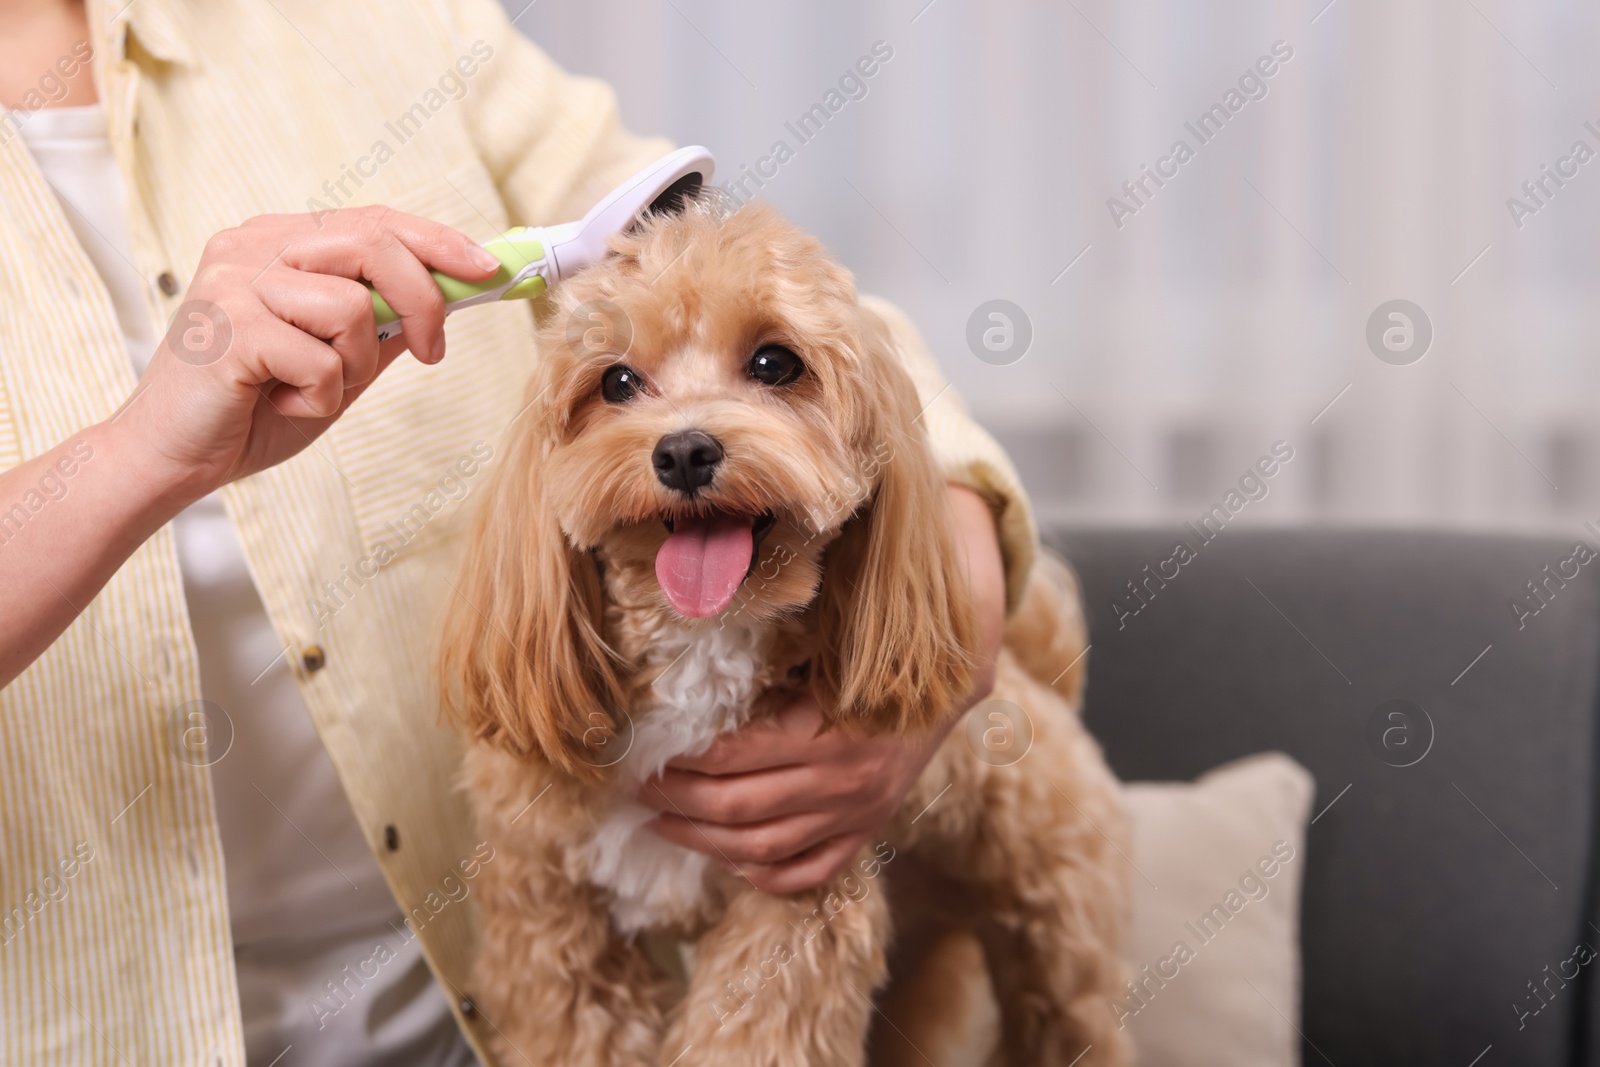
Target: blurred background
{"points": [[1179, 330]]}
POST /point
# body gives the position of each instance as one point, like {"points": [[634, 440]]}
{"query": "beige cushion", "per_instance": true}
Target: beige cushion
{"points": [[1219, 864], [1215, 950]]}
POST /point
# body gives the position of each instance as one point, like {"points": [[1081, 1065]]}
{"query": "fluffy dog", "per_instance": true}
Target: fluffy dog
{"points": [[719, 495]]}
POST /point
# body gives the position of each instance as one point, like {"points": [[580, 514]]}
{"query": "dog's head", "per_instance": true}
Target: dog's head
{"points": [[717, 423]]}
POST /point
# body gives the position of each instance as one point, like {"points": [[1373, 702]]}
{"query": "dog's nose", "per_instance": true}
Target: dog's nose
{"points": [[686, 460]]}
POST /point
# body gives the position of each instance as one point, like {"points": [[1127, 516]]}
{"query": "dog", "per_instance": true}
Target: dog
{"points": [[719, 496]]}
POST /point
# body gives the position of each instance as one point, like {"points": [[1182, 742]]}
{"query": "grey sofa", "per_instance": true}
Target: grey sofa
{"points": [[1453, 878]]}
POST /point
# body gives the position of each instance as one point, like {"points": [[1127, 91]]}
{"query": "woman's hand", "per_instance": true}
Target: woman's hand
{"points": [[787, 806], [783, 804], [276, 338]]}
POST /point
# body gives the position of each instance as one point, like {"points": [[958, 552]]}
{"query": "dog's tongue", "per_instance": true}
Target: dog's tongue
{"points": [[703, 561]]}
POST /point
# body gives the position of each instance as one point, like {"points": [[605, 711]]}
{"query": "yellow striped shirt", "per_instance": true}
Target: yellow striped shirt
{"points": [[114, 939]]}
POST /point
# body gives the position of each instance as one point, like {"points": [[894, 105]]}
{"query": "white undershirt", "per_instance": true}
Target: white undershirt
{"points": [[305, 895]]}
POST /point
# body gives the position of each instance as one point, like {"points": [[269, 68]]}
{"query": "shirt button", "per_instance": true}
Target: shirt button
{"points": [[165, 659], [313, 659], [167, 283]]}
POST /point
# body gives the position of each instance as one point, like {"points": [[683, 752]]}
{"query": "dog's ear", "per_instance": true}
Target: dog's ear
{"points": [[523, 663], [895, 610]]}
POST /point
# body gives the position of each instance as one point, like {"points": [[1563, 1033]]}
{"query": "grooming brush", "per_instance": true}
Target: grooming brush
{"points": [[533, 258]]}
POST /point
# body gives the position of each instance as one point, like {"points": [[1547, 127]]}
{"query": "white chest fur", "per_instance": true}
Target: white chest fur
{"points": [[704, 689]]}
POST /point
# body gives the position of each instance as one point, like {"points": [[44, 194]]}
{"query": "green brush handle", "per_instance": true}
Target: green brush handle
{"points": [[518, 250]]}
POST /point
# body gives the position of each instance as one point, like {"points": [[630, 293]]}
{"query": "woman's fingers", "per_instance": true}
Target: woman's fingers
{"points": [[436, 245], [757, 747], [395, 252], [335, 310], [439, 246], [815, 868], [301, 376], [793, 736], [366, 250], [763, 843], [309, 427], [742, 799]]}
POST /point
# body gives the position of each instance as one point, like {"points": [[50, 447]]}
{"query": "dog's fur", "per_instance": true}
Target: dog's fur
{"points": [[576, 681]]}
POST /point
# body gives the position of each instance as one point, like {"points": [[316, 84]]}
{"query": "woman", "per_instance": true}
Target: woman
{"points": [[227, 822]]}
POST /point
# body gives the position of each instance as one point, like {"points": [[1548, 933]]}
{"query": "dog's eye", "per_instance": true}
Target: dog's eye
{"points": [[620, 384], [775, 365]]}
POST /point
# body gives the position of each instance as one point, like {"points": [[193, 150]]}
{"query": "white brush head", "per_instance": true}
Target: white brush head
{"points": [[662, 186]]}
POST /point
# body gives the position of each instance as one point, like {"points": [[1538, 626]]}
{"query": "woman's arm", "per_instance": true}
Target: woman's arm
{"points": [[68, 520], [790, 807]]}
